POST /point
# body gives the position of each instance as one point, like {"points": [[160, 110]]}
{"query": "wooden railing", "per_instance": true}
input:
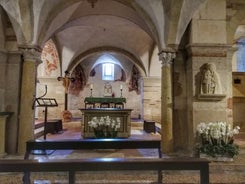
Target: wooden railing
{"points": [[85, 144], [102, 164], [106, 164]]}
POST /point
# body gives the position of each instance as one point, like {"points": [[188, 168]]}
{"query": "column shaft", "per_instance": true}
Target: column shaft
{"points": [[28, 91], [166, 102]]}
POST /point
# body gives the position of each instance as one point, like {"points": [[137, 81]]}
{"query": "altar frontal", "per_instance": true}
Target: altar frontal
{"points": [[114, 122]]}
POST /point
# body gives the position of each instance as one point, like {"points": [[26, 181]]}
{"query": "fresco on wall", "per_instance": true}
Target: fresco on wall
{"points": [[79, 82], [134, 80], [50, 60], [122, 77]]}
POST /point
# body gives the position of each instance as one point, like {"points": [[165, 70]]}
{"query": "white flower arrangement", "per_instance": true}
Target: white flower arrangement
{"points": [[105, 126], [217, 138]]}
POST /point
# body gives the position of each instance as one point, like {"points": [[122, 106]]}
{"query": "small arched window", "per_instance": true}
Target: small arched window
{"points": [[108, 71], [241, 55]]}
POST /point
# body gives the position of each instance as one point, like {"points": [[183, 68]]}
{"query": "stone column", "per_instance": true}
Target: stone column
{"points": [[3, 124], [166, 57], [31, 58], [3, 119]]}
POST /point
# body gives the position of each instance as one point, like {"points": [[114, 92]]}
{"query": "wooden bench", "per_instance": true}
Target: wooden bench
{"points": [[106, 164], [84, 144]]}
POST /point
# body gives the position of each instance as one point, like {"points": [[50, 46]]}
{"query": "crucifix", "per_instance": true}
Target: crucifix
{"points": [[66, 82]]}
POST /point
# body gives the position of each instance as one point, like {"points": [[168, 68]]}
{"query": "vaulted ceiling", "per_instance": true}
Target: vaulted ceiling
{"points": [[133, 28]]}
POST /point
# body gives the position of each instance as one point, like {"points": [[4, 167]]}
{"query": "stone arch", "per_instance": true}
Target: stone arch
{"points": [[87, 53]]}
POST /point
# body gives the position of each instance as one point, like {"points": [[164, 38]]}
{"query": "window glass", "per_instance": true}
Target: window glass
{"points": [[241, 56], [108, 71]]}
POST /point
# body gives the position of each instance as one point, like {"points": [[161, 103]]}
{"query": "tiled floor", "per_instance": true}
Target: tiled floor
{"points": [[220, 172]]}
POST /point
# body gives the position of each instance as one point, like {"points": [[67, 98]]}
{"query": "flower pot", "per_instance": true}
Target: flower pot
{"points": [[217, 158]]}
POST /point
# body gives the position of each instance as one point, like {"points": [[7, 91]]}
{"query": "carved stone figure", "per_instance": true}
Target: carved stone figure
{"points": [[210, 83], [107, 89]]}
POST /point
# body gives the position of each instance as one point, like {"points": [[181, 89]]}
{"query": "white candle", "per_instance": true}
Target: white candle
{"points": [[121, 87], [91, 86]]}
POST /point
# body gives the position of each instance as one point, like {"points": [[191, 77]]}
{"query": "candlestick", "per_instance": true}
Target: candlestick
{"points": [[91, 92], [121, 92]]}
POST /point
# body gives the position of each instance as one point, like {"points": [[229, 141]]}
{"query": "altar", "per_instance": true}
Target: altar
{"points": [[124, 115], [97, 102]]}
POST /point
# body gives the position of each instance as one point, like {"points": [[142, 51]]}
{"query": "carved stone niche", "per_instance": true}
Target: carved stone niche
{"points": [[210, 88]]}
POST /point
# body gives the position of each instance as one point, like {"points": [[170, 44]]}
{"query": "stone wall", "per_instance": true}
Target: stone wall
{"points": [[238, 81], [207, 44], [152, 99], [54, 90], [10, 70], [180, 131]]}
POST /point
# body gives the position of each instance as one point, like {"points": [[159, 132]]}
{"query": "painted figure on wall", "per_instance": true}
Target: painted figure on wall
{"points": [[210, 83], [134, 81], [79, 82], [50, 58]]}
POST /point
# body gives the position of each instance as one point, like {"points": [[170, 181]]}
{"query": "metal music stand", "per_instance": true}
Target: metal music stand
{"points": [[45, 102]]}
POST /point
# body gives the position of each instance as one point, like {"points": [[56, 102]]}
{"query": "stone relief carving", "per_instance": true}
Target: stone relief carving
{"points": [[107, 89], [210, 83], [210, 86]]}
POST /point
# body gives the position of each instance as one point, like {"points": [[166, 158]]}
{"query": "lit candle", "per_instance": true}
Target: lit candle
{"points": [[121, 87], [91, 86]]}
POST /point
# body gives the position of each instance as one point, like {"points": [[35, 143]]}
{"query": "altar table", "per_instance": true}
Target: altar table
{"points": [[124, 115], [97, 101]]}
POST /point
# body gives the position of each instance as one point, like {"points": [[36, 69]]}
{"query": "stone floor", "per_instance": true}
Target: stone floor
{"points": [[220, 172]]}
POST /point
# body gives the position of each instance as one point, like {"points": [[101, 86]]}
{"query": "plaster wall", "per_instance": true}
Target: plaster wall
{"points": [[155, 65]]}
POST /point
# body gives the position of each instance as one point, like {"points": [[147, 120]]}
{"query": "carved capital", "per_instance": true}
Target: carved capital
{"points": [[31, 53], [167, 56]]}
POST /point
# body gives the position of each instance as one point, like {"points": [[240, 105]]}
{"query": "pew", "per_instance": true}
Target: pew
{"points": [[106, 164], [84, 144]]}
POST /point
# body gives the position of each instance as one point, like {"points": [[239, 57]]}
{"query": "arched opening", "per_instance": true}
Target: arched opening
{"points": [[238, 76]]}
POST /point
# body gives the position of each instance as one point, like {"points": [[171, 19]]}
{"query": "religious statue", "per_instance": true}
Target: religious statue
{"points": [[66, 80], [107, 89], [210, 83]]}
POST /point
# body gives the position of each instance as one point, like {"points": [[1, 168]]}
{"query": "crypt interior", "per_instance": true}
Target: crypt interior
{"points": [[156, 55]]}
